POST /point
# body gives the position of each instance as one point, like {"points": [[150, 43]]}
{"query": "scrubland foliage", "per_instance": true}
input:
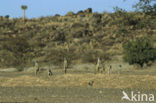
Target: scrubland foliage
{"points": [[80, 37], [139, 51]]}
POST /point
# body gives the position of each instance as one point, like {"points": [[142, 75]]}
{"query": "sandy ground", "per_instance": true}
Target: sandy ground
{"points": [[82, 80], [25, 87], [64, 95]]}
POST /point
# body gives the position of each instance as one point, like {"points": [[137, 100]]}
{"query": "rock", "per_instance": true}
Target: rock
{"points": [[89, 10]]}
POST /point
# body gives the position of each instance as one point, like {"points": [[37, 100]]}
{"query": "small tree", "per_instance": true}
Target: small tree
{"points": [[19, 52], [139, 51], [7, 17], [24, 7], [146, 5], [70, 13]]}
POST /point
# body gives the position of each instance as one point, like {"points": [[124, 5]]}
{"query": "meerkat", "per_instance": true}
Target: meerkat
{"points": [[90, 84], [109, 69], [99, 66], [65, 65], [120, 66], [50, 72], [103, 68], [36, 66]]}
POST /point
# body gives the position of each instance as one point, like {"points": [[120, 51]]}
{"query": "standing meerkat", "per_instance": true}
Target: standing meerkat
{"points": [[50, 73], [120, 66], [99, 66], [109, 69], [103, 68], [65, 65], [90, 84], [37, 69]]}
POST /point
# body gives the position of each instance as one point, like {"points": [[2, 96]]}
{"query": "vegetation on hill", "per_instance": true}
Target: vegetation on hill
{"points": [[139, 51], [80, 37]]}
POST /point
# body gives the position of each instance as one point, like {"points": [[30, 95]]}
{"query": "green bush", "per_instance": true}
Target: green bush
{"points": [[89, 10], [18, 53], [58, 36], [7, 58], [84, 32], [70, 13], [139, 51]]}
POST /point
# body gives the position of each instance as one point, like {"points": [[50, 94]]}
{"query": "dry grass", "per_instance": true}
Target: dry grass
{"points": [[81, 80]]}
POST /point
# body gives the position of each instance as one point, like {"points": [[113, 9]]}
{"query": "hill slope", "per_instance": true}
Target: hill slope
{"points": [[80, 37]]}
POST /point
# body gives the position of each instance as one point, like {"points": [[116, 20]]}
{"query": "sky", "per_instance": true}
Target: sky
{"points": [[40, 8]]}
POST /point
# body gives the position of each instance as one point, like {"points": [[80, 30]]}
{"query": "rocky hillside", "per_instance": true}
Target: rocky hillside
{"points": [[80, 37]]}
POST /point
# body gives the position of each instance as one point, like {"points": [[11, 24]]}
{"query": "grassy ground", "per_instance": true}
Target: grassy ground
{"points": [[64, 95], [81, 38], [82, 80], [73, 86]]}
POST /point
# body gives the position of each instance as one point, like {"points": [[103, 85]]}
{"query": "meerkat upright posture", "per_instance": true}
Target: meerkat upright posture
{"points": [[90, 84], [99, 66], [37, 69], [65, 65], [109, 69], [103, 68], [50, 73]]}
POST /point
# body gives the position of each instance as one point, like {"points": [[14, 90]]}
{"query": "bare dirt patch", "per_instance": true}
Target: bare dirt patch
{"points": [[82, 80]]}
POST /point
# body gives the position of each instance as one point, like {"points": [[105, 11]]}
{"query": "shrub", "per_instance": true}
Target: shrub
{"points": [[17, 50], [89, 10], [57, 15], [70, 13], [7, 58], [1, 17], [97, 17], [58, 36], [78, 34], [77, 25], [139, 51], [91, 56], [80, 12], [7, 17]]}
